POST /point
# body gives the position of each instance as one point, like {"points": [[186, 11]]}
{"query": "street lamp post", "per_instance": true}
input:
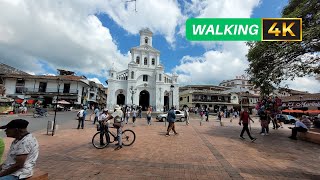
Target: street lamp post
{"points": [[56, 106], [172, 88], [132, 91], [240, 97]]}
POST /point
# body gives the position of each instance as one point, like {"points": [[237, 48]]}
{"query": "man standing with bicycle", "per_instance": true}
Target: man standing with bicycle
{"points": [[104, 128], [117, 115]]}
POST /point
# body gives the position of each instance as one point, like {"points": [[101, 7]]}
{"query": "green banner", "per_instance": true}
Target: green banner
{"points": [[224, 29]]}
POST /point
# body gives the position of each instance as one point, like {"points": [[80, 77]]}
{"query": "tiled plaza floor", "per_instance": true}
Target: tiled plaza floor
{"points": [[209, 151]]}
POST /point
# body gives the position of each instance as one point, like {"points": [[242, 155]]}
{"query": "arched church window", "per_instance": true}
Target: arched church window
{"points": [[153, 61], [146, 40], [138, 60], [160, 78], [132, 75], [145, 61]]}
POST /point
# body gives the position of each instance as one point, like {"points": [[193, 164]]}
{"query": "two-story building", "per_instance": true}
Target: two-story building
{"points": [[240, 84], [206, 96], [46, 88]]}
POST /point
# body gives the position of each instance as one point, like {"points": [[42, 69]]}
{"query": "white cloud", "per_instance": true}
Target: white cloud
{"points": [[60, 34], [309, 84], [96, 80], [160, 16], [213, 66]]}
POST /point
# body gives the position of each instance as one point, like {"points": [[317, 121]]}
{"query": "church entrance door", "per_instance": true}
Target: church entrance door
{"points": [[144, 100], [120, 99]]}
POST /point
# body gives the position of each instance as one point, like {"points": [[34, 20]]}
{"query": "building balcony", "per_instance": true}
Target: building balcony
{"points": [[209, 100], [50, 91]]}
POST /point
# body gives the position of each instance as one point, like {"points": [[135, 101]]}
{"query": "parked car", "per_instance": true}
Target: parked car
{"points": [[286, 118], [60, 108], [179, 116]]}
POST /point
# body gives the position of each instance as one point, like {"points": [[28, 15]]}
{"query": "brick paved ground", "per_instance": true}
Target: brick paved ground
{"points": [[210, 151]]}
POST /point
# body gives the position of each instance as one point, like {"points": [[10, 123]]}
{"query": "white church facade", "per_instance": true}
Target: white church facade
{"points": [[144, 83]]}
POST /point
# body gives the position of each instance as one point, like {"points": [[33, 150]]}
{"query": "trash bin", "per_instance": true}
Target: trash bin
{"points": [[50, 127]]}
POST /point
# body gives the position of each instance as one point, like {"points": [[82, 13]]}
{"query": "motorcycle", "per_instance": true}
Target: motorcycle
{"points": [[40, 112]]}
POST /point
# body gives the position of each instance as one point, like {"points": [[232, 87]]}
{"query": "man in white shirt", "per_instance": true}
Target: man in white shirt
{"points": [[299, 127], [104, 126], [118, 123], [23, 153]]}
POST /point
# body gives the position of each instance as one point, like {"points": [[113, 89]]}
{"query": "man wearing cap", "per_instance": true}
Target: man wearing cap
{"points": [[23, 153], [117, 115], [104, 126]]}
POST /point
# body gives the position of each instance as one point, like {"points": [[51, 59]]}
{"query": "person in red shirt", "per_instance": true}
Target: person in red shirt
{"points": [[244, 118]]}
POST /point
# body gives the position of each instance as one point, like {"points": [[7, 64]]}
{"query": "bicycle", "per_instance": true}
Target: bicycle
{"points": [[128, 138]]}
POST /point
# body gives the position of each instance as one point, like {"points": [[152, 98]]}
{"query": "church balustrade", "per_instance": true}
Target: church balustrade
{"points": [[209, 100]]}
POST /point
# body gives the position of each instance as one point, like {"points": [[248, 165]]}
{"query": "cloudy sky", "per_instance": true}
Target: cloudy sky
{"points": [[90, 37]]}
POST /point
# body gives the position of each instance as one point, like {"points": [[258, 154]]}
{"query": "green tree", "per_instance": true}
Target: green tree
{"points": [[272, 62]]}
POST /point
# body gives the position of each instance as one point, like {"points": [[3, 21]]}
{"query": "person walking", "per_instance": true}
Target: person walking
{"points": [[81, 117], [127, 115], [207, 114], [264, 123], [186, 116], [96, 115], [244, 118], [149, 116], [171, 118], [139, 111], [104, 126], [134, 116], [117, 116], [201, 117]]}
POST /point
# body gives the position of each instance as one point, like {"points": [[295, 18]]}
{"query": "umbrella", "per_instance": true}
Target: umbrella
{"points": [[63, 102]]}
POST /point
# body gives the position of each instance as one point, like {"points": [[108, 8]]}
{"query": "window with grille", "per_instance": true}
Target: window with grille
{"points": [[145, 61], [145, 78]]}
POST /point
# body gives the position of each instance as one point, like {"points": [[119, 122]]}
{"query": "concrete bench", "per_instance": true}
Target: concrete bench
{"points": [[311, 136], [39, 175]]}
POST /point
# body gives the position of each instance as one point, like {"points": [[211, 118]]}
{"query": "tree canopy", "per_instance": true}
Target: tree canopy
{"points": [[272, 62]]}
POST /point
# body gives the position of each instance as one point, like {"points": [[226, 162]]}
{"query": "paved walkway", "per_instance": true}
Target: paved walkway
{"points": [[209, 151]]}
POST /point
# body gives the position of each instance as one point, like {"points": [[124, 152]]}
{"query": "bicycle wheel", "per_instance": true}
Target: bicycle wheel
{"points": [[128, 137], [96, 141]]}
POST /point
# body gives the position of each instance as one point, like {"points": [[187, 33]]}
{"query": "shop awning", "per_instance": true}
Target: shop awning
{"points": [[293, 111]]}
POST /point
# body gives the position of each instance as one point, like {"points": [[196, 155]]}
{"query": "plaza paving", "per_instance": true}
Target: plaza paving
{"points": [[209, 151]]}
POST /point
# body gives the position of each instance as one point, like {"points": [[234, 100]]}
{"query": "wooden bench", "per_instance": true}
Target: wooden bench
{"points": [[39, 175], [311, 136]]}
